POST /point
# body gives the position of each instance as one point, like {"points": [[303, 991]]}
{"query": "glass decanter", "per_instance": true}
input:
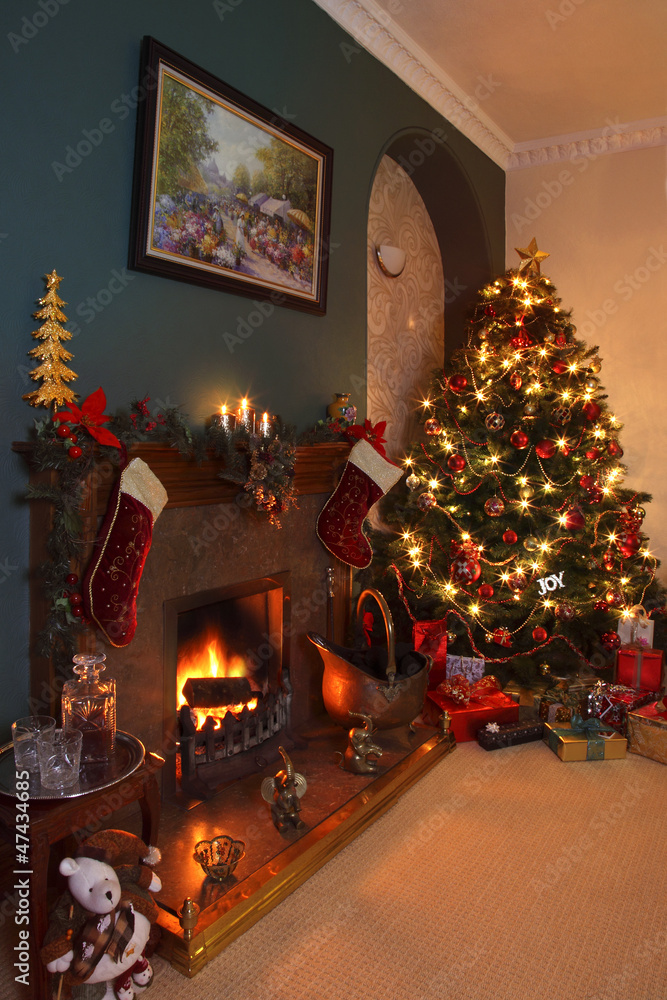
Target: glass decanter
{"points": [[89, 704]]}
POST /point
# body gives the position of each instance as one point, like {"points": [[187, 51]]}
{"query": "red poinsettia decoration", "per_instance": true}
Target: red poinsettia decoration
{"points": [[90, 416], [369, 433]]}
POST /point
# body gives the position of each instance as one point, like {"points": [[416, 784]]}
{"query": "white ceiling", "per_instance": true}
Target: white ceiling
{"points": [[520, 76]]}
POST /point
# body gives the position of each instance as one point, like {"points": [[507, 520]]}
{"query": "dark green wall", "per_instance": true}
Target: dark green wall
{"points": [[66, 66]]}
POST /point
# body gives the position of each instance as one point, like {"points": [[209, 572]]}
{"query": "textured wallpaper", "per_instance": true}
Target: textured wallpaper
{"points": [[405, 314]]}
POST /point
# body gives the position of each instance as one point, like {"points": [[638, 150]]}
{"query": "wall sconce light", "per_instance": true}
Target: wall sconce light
{"points": [[391, 260]]}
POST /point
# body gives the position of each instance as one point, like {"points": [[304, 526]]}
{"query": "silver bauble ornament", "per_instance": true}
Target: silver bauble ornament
{"points": [[531, 544], [412, 482], [426, 500]]}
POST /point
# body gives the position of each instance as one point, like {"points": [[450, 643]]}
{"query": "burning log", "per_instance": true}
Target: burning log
{"points": [[215, 692]]}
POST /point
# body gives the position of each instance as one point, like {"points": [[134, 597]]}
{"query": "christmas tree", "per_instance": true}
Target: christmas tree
{"points": [[513, 525], [53, 371]]}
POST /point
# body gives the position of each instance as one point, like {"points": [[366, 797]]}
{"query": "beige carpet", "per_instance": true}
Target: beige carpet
{"points": [[503, 875]]}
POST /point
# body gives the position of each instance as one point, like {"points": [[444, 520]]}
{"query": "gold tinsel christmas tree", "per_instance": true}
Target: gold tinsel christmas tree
{"points": [[52, 370]]}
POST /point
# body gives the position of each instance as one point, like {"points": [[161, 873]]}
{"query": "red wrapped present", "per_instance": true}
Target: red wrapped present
{"points": [[612, 702], [430, 638], [640, 668], [470, 706]]}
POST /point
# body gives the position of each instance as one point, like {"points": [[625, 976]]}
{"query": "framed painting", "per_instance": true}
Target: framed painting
{"points": [[226, 193]]}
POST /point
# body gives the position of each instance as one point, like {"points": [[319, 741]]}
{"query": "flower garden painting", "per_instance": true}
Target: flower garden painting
{"points": [[234, 198]]}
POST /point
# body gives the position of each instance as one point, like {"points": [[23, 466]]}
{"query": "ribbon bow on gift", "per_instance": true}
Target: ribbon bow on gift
{"points": [[588, 727], [460, 690]]}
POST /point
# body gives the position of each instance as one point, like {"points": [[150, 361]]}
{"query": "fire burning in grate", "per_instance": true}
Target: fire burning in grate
{"points": [[213, 683]]}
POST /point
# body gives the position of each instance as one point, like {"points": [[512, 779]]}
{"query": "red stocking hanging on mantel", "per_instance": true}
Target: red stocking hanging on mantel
{"points": [[367, 476], [111, 583]]}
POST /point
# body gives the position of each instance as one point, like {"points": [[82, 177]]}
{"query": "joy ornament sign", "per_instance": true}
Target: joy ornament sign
{"points": [[550, 583]]}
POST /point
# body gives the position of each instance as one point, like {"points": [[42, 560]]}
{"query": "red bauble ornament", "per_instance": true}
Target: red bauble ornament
{"points": [[432, 426], [539, 633], [587, 482], [456, 463], [485, 591], [519, 439], [494, 506], [591, 410], [465, 569], [74, 451], [458, 383], [593, 454], [628, 544], [610, 640], [559, 367], [614, 449], [614, 598], [595, 495], [510, 537], [546, 448], [517, 583], [72, 579], [62, 431], [502, 637], [564, 612], [574, 520], [516, 381]]}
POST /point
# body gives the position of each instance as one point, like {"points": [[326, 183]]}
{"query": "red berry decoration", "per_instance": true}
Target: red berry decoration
{"points": [[456, 463], [458, 383], [72, 439], [72, 579], [614, 449], [591, 410], [62, 431], [75, 599], [610, 640], [539, 634], [74, 451], [574, 520], [510, 537], [485, 591], [77, 611], [546, 448], [519, 439], [600, 606]]}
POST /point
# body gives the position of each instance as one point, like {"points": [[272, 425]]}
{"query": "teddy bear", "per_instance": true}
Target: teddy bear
{"points": [[100, 928]]}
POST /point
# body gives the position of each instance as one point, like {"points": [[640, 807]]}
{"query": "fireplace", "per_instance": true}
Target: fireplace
{"points": [[226, 670]]}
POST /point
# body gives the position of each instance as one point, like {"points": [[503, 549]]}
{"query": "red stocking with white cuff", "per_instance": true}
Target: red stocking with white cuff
{"points": [[111, 584], [367, 476]]}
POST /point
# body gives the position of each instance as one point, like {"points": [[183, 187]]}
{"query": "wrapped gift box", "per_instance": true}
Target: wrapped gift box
{"points": [[468, 719], [471, 667], [560, 702], [509, 734], [612, 702], [430, 638], [636, 630], [571, 744], [640, 668], [647, 733]]}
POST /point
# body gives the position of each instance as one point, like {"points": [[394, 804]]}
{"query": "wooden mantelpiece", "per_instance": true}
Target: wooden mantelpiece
{"points": [[188, 484]]}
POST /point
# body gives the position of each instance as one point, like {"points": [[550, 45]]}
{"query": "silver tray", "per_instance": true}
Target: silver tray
{"points": [[129, 755]]}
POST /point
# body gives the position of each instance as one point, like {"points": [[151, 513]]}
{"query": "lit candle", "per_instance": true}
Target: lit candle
{"points": [[265, 426], [225, 419], [245, 416]]}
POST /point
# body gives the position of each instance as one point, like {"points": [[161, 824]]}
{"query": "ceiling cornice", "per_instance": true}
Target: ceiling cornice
{"points": [[379, 34]]}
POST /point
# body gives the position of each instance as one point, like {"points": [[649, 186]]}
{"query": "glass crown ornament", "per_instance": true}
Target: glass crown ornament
{"points": [[89, 705]]}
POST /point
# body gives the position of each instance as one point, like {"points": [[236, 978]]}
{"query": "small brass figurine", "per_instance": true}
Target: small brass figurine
{"points": [[360, 747], [284, 792]]}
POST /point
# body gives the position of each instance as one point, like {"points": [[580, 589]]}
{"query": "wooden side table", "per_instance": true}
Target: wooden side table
{"points": [[51, 820]]}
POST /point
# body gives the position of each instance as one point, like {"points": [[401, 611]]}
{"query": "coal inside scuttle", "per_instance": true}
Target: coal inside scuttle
{"points": [[232, 681]]}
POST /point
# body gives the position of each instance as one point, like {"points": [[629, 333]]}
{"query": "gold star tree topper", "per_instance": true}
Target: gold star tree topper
{"points": [[52, 356], [531, 257]]}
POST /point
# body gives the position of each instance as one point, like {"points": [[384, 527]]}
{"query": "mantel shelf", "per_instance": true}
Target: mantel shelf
{"points": [[191, 484]]}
